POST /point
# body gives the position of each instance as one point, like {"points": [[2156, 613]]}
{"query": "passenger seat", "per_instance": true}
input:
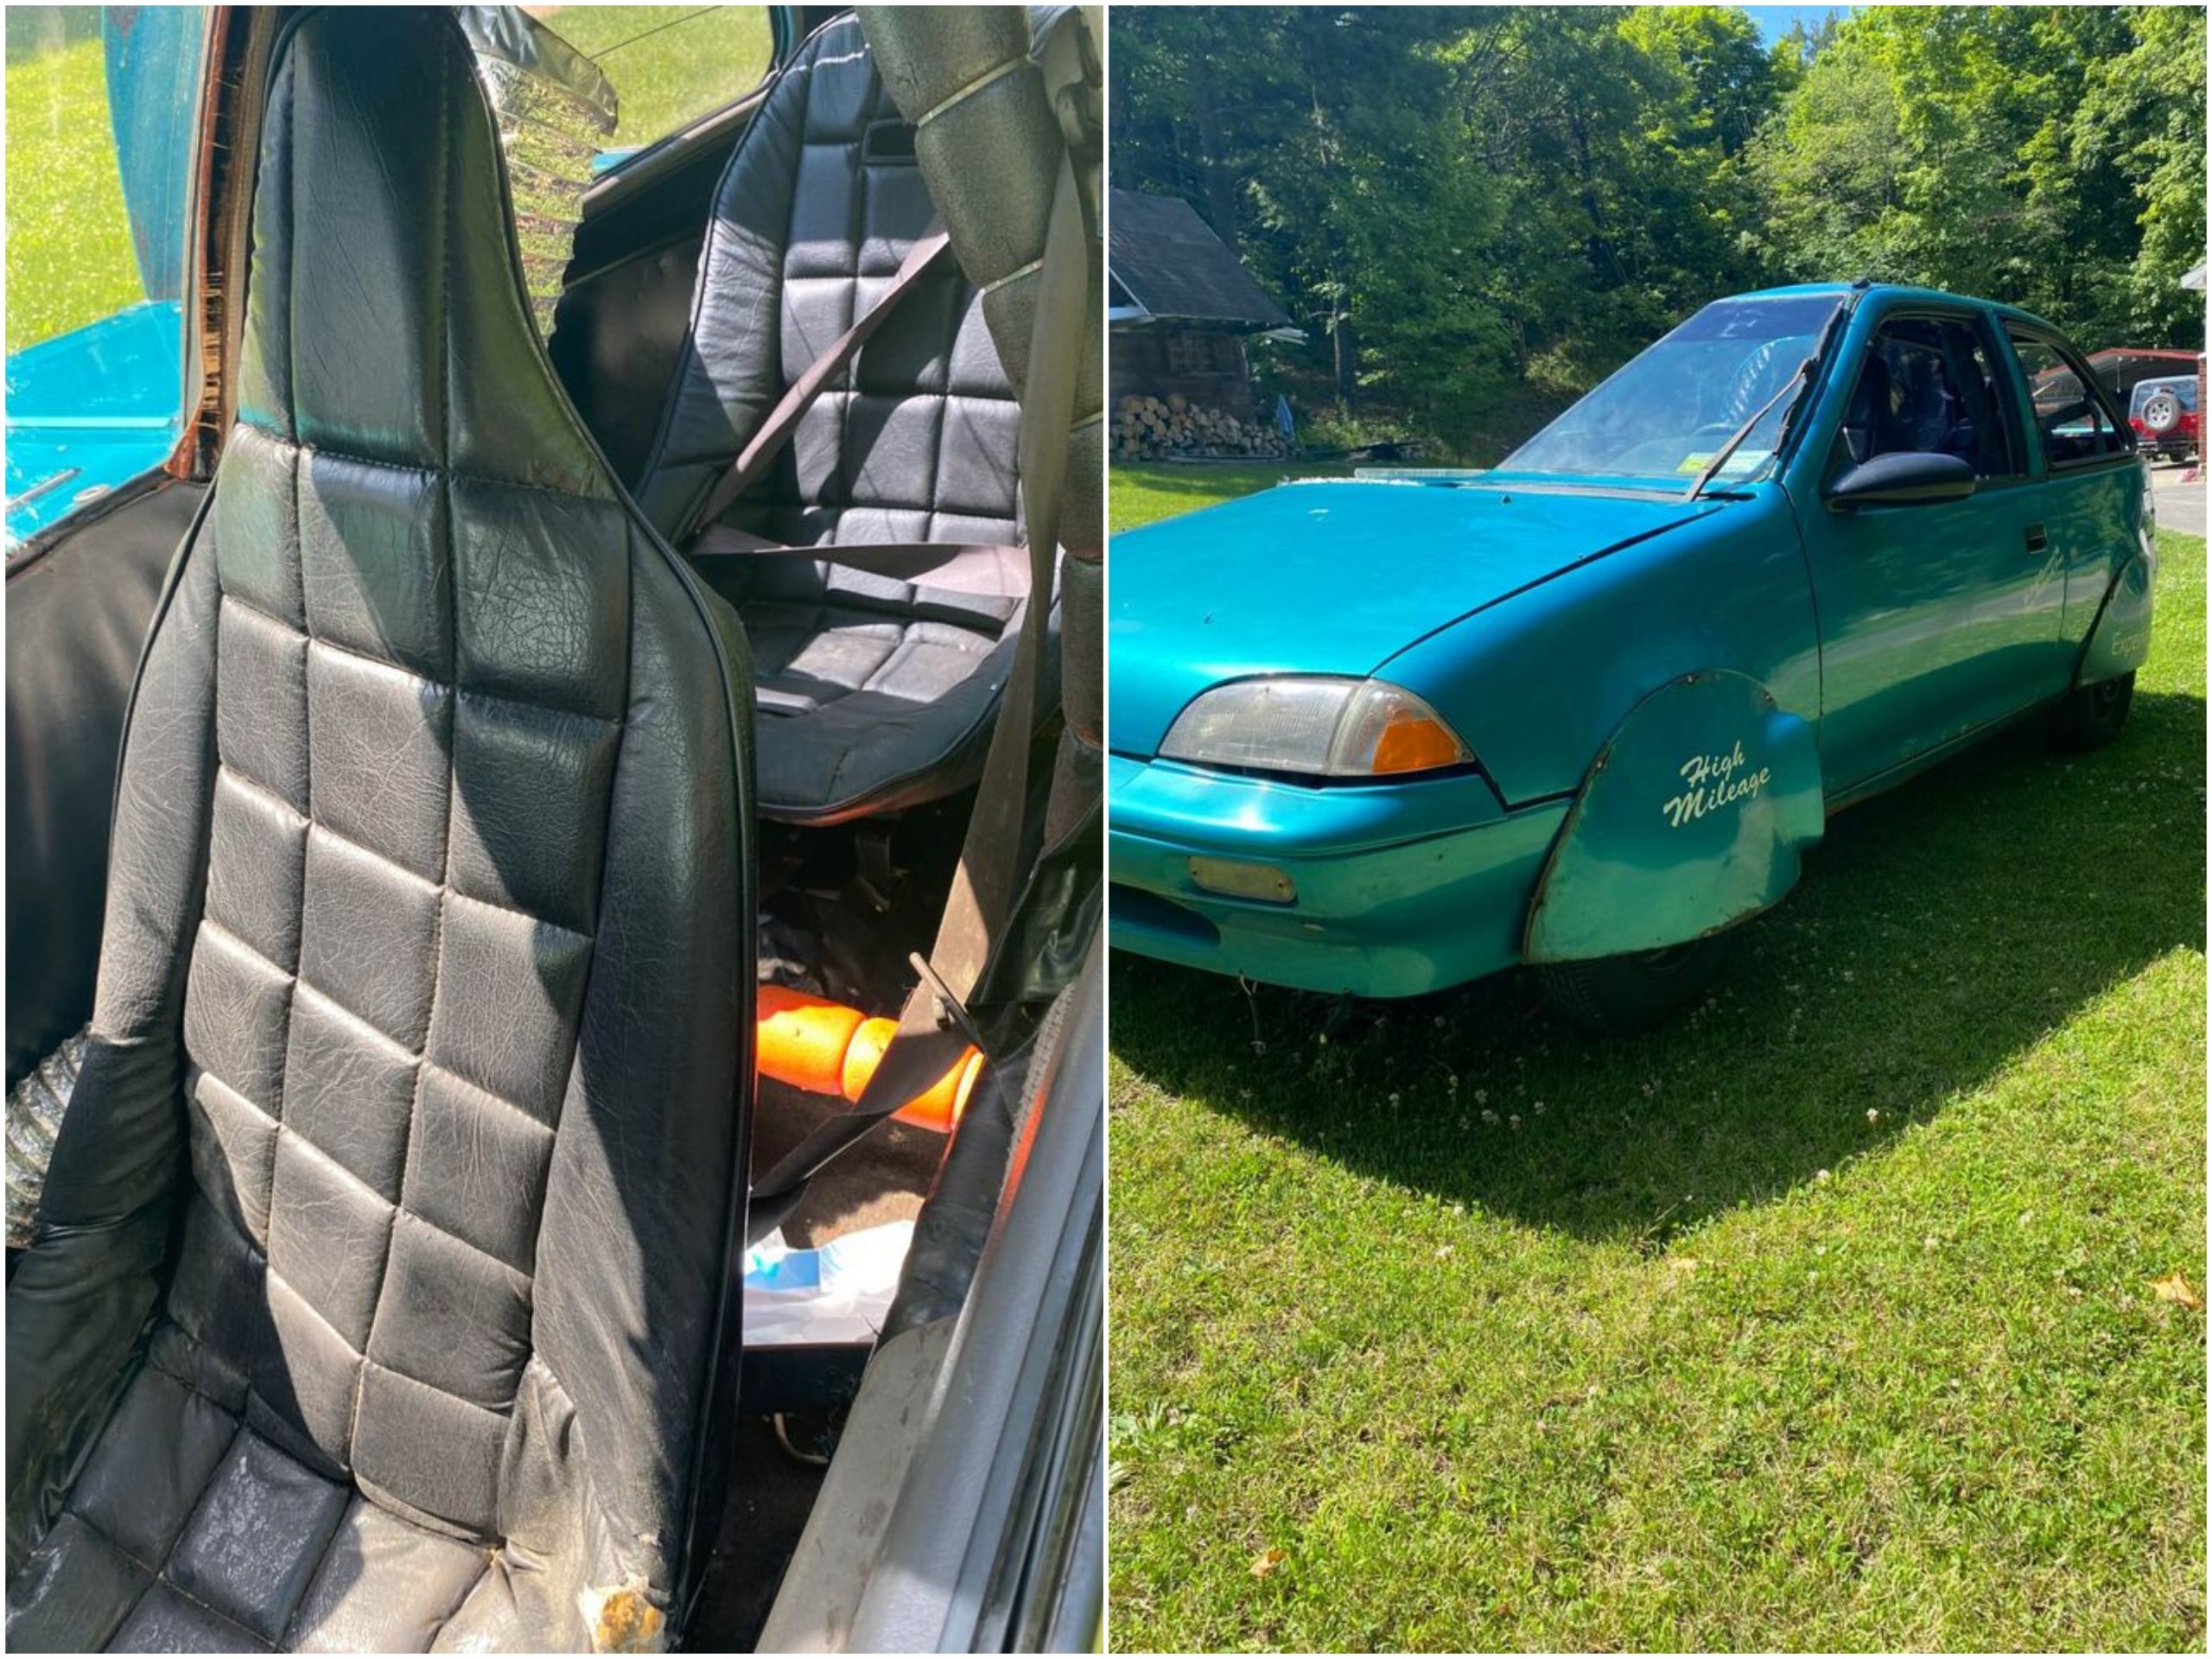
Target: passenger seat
{"points": [[876, 685]]}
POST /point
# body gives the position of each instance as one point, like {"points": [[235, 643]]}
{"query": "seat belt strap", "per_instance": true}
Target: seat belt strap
{"points": [[986, 880], [926, 1043], [767, 442]]}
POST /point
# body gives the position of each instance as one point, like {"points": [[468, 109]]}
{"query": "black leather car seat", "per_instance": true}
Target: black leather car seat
{"points": [[876, 690], [384, 1262], [1864, 428]]}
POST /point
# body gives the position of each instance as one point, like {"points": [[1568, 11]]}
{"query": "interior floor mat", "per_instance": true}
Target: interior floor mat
{"points": [[767, 1500], [882, 1179]]}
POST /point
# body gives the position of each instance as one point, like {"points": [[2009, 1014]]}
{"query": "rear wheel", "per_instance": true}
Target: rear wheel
{"points": [[2090, 716], [1618, 995]]}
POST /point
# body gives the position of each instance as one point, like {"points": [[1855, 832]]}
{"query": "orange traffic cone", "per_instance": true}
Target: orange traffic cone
{"points": [[826, 1048]]}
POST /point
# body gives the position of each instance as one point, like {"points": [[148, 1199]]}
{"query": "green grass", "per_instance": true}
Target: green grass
{"points": [[1823, 1318], [69, 257], [670, 64], [1144, 491]]}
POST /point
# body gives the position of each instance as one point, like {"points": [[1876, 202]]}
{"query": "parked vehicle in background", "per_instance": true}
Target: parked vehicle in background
{"points": [[2164, 415], [1383, 735]]}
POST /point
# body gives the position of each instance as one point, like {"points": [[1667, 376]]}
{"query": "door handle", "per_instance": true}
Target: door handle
{"points": [[2037, 540]]}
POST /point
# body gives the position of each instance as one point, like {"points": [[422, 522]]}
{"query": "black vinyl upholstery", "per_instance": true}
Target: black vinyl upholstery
{"points": [[875, 692], [385, 1259]]}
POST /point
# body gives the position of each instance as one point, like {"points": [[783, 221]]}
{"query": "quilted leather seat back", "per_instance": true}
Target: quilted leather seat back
{"points": [[430, 929], [821, 202], [876, 691]]}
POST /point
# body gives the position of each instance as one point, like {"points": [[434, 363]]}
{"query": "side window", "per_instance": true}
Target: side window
{"points": [[669, 64], [1928, 387], [2073, 420], [102, 108]]}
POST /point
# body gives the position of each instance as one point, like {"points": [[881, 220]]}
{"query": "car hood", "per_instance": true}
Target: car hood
{"points": [[1337, 577]]}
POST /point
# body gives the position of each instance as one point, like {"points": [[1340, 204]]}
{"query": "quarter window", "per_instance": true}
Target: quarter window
{"points": [[2074, 419]]}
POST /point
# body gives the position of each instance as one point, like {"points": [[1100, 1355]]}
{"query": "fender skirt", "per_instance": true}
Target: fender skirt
{"points": [[1691, 818], [2120, 638]]}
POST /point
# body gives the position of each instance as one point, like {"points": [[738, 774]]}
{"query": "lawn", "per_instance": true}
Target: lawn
{"points": [[1826, 1318], [669, 64], [69, 258], [1160, 489]]}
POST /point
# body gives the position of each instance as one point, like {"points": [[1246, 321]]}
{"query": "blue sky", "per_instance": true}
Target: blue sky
{"points": [[1774, 20]]}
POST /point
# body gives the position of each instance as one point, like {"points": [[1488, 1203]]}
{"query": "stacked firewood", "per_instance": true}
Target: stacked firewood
{"points": [[1148, 429]]}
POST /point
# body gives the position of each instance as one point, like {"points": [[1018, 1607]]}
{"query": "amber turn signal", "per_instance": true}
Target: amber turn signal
{"points": [[1415, 743]]}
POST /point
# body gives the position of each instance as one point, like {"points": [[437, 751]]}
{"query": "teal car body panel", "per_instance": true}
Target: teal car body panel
{"points": [[90, 410], [1540, 615], [2121, 639], [1398, 891], [1691, 817], [1402, 559]]}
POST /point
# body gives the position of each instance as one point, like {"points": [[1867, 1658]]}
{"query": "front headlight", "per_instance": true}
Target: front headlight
{"points": [[1316, 726]]}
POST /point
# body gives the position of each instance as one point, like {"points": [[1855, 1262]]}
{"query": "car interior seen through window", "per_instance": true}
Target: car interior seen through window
{"points": [[1928, 388]]}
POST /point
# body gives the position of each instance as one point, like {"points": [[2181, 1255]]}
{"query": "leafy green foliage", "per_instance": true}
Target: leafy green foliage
{"points": [[2052, 157], [1479, 210]]}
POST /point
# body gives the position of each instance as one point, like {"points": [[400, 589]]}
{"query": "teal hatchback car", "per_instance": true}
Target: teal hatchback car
{"points": [[1386, 734]]}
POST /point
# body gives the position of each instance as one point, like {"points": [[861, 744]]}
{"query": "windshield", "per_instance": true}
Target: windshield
{"points": [[1675, 405]]}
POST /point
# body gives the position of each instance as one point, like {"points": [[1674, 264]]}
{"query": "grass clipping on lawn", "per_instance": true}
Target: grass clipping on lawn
{"points": [[1858, 1309]]}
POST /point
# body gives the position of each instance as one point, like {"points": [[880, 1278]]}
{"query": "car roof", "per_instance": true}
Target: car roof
{"points": [[1900, 291]]}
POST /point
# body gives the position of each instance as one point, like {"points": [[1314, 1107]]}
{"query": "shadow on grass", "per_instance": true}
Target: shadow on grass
{"points": [[1939, 931]]}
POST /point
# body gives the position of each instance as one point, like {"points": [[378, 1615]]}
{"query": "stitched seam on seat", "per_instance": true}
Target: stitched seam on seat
{"points": [[395, 1050], [243, 1099], [444, 1393], [299, 448], [320, 1318], [598, 912], [159, 1575], [297, 819], [443, 220], [297, 981], [390, 863], [531, 917], [491, 1095], [405, 673]]}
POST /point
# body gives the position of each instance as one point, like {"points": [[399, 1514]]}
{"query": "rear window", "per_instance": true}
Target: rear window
{"points": [[2073, 422]]}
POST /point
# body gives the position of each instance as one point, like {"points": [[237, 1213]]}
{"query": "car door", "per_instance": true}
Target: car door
{"points": [[2089, 486], [1939, 617]]}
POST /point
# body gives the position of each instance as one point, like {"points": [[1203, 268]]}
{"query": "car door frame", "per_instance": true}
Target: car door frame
{"points": [[1812, 469], [2090, 571]]}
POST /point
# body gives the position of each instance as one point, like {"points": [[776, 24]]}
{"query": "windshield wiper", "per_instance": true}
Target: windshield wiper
{"points": [[1799, 382]]}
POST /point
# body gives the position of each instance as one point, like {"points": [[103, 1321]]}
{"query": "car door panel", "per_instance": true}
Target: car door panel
{"points": [[1937, 619]]}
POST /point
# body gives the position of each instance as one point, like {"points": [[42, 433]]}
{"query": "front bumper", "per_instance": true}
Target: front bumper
{"points": [[1402, 888]]}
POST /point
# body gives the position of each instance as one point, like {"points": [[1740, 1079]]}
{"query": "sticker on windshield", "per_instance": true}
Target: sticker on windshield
{"points": [[1742, 461]]}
